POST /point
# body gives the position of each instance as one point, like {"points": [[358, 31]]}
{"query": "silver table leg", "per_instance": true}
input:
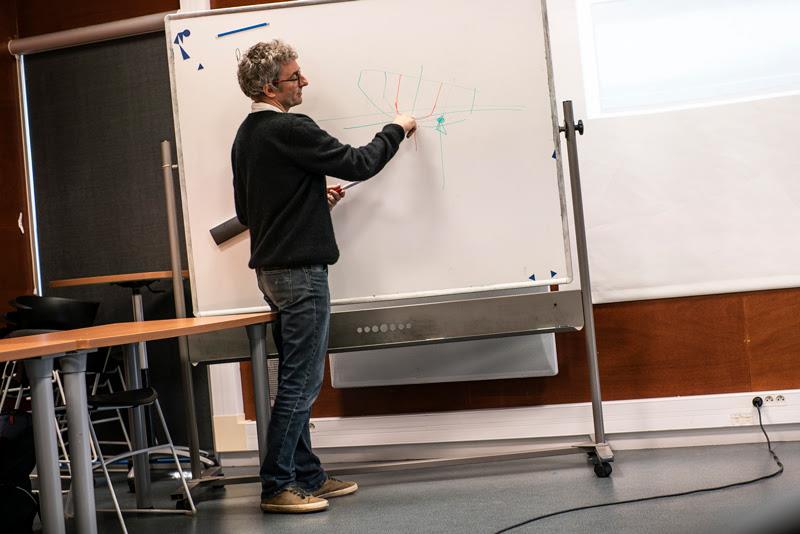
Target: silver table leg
{"points": [[51, 506], [256, 334], [73, 369], [141, 462]]}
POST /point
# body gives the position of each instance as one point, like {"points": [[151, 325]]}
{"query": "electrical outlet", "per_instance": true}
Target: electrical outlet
{"points": [[775, 400]]}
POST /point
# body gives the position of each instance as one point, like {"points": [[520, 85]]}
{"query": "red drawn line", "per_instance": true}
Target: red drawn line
{"points": [[434, 103], [397, 98]]}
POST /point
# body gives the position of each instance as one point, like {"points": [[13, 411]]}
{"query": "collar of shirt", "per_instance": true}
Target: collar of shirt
{"points": [[263, 106]]}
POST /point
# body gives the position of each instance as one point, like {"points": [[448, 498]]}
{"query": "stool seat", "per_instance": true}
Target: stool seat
{"points": [[123, 399]]}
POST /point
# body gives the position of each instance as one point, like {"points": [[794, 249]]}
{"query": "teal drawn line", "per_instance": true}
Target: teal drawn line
{"points": [[385, 81], [441, 156], [472, 108], [401, 74], [440, 125], [419, 82], [376, 106], [444, 113], [449, 123], [382, 113]]}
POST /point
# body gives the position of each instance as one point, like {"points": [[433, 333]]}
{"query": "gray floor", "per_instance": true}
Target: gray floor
{"points": [[489, 497]]}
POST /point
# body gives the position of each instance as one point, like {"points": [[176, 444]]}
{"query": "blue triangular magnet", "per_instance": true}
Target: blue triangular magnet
{"points": [[183, 53], [532, 277], [200, 67]]}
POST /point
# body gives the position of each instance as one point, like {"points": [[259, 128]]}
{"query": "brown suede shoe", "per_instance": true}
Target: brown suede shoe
{"points": [[293, 501], [333, 487]]}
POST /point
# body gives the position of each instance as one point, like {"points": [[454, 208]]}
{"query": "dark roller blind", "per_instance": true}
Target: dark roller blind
{"points": [[97, 116]]}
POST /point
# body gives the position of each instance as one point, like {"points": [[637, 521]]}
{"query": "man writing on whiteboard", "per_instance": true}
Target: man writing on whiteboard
{"points": [[280, 161]]}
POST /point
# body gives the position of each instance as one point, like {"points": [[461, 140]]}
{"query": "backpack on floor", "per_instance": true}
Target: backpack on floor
{"points": [[18, 504]]}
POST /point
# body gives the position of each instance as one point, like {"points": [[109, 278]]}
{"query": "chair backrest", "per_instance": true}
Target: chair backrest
{"points": [[52, 313]]}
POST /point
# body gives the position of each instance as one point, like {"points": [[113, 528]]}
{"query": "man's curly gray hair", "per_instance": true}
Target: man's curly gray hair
{"points": [[261, 65]]}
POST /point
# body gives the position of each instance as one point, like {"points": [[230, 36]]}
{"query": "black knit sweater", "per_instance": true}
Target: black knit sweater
{"points": [[280, 161]]}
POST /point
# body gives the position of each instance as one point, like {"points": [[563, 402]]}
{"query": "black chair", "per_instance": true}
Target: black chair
{"points": [[35, 314], [51, 313], [134, 398]]}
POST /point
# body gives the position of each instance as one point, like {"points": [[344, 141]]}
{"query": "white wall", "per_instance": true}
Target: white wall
{"points": [[696, 201]]}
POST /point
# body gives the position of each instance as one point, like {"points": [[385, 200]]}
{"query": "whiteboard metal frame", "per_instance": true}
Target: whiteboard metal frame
{"points": [[454, 292]]}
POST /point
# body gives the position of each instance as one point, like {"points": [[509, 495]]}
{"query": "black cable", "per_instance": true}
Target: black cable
{"points": [[681, 494]]}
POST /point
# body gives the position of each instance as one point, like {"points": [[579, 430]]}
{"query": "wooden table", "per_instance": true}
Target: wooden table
{"points": [[70, 347], [150, 276]]}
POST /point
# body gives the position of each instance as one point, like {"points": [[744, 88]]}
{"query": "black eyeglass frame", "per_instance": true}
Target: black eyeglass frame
{"points": [[296, 77]]}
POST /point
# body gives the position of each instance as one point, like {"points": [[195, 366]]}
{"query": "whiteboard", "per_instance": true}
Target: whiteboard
{"points": [[474, 202]]}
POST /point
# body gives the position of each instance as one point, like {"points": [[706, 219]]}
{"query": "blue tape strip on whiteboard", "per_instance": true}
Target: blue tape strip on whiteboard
{"points": [[254, 26]]}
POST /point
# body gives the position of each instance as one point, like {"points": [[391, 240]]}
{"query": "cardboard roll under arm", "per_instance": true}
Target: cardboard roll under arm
{"points": [[227, 230]]}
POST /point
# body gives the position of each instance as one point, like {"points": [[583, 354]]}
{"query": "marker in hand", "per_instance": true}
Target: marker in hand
{"points": [[335, 194], [407, 122]]}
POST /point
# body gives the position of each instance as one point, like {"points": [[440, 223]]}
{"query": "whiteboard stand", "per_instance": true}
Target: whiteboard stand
{"points": [[599, 452], [472, 318], [559, 311]]}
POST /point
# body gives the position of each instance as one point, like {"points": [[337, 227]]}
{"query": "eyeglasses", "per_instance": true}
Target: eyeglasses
{"points": [[296, 77]]}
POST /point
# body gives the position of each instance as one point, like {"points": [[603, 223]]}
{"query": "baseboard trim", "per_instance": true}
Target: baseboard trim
{"points": [[629, 424]]}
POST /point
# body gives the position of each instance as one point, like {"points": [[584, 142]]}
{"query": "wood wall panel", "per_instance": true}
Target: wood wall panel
{"points": [[15, 267], [647, 349], [670, 347], [46, 16], [772, 338]]}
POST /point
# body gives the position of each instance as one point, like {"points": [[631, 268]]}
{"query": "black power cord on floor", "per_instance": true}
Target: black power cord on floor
{"points": [[757, 402]]}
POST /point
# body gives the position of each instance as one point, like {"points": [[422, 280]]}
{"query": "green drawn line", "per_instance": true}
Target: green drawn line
{"points": [[472, 108], [441, 154], [450, 123], [382, 113], [368, 98], [419, 82], [400, 74], [443, 113]]}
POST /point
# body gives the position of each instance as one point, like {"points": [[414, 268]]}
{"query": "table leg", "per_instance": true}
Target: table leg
{"points": [[257, 335], [73, 369], [141, 462], [51, 505]]}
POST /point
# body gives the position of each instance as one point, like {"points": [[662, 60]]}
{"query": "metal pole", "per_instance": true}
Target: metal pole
{"points": [[569, 129], [256, 334], [73, 368], [180, 311], [138, 315], [51, 506]]}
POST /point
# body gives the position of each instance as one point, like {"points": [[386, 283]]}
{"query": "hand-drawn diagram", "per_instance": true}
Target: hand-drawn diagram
{"points": [[436, 105], [179, 41]]}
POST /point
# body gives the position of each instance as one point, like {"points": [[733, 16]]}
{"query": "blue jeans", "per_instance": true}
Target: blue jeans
{"points": [[302, 297]]}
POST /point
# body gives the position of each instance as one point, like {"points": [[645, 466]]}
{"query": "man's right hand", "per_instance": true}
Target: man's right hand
{"points": [[407, 122]]}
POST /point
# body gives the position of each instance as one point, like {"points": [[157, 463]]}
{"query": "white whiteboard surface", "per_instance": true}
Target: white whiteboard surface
{"points": [[474, 202]]}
